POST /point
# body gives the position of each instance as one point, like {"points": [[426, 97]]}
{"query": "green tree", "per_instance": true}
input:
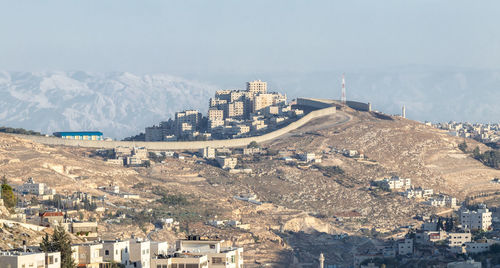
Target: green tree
{"points": [[59, 242], [476, 153], [9, 199], [253, 144], [463, 147]]}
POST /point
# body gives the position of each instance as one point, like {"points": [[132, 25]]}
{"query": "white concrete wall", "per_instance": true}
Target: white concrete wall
{"points": [[183, 145]]}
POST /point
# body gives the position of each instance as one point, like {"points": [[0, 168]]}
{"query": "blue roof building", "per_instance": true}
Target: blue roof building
{"points": [[80, 135]]}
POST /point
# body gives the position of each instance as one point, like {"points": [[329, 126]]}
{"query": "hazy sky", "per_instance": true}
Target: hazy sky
{"points": [[246, 36]]}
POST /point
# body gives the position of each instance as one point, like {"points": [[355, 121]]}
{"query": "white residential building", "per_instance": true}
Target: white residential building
{"points": [[396, 183], [476, 220], [31, 187], [218, 256]]}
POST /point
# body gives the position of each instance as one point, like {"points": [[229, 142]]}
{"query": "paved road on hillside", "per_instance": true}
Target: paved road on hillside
{"points": [[335, 120]]}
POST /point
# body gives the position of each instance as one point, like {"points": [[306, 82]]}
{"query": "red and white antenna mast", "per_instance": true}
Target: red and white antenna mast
{"points": [[343, 99]]}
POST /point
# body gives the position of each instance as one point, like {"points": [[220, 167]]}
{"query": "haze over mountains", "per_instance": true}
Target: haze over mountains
{"points": [[118, 104], [121, 104]]}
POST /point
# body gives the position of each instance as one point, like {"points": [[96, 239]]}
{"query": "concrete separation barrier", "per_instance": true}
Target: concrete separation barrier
{"points": [[183, 145]]}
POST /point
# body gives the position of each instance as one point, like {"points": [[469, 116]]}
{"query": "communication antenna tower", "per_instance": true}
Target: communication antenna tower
{"points": [[343, 99]]}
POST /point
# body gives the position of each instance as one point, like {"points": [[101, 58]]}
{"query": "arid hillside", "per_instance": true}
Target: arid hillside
{"points": [[428, 156], [304, 206]]}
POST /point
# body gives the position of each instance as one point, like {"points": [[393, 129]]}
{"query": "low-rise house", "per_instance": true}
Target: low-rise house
{"points": [[88, 255], [307, 157], [87, 230], [218, 256], [250, 151], [207, 153], [405, 246], [464, 264], [30, 260], [477, 247], [395, 182], [51, 218], [418, 193], [177, 260], [32, 187], [227, 162], [442, 201]]}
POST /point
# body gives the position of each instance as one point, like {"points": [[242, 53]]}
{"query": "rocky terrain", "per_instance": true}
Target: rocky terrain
{"points": [[304, 207]]}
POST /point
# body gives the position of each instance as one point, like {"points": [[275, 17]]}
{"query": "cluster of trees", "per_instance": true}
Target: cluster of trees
{"points": [[330, 171], [490, 158], [139, 137], [57, 202], [170, 199], [8, 196], [19, 131]]}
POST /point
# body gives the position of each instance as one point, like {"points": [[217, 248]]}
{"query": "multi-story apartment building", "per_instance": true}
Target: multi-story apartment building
{"points": [[263, 100], [140, 253], [476, 220], [405, 246], [186, 122], [256, 87], [458, 239], [215, 115]]}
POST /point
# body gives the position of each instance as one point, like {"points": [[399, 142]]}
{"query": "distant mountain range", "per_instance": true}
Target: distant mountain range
{"points": [[118, 104], [122, 104]]}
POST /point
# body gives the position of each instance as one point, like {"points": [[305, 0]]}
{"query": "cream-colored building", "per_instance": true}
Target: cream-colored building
{"points": [[140, 255], [458, 239], [116, 251], [207, 153], [88, 255], [218, 256], [215, 115], [256, 87], [30, 260], [227, 162]]}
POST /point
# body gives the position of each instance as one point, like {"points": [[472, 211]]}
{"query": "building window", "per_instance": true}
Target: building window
{"points": [[216, 260], [106, 252]]}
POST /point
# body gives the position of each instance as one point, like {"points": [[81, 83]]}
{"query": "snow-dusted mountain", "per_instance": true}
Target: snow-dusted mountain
{"points": [[118, 104]]}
